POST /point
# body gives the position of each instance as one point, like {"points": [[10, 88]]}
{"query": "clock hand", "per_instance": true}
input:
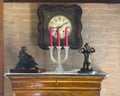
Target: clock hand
{"points": [[60, 25], [63, 24]]}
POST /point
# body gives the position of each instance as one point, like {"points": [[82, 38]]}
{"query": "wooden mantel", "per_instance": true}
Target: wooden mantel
{"points": [[38, 84]]}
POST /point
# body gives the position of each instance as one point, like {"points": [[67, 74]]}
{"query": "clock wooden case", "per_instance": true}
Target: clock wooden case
{"points": [[60, 16]]}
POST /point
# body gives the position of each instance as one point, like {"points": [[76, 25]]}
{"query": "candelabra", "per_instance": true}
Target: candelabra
{"points": [[59, 62]]}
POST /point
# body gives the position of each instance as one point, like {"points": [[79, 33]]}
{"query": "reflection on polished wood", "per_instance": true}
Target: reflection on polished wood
{"points": [[56, 85]]}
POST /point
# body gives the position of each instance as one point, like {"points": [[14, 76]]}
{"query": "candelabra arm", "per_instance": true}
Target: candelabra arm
{"points": [[51, 54], [66, 53], [59, 55]]}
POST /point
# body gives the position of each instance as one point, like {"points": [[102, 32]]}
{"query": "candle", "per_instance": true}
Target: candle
{"points": [[51, 42], [66, 36], [58, 37]]}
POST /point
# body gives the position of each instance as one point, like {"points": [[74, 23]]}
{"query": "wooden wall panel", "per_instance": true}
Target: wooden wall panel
{"points": [[1, 48]]}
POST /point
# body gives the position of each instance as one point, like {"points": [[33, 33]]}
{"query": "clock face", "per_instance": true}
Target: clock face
{"points": [[60, 22]]}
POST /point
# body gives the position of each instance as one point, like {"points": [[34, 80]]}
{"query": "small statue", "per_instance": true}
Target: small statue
{"points": [[86, 50], [26, 61]]}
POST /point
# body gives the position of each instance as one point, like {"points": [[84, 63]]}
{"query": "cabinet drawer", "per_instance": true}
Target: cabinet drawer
{"points": [[56, 93], [57, 83]]}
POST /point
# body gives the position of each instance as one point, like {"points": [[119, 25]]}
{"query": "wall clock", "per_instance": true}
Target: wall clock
{"points": [[60, 16]]}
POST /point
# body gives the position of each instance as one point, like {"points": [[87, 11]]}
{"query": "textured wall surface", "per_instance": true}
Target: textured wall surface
{"points": [[1, 49], [101, 28]]}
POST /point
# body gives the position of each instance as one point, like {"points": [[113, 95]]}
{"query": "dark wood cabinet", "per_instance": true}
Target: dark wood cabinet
{"points": [[55, 85]]}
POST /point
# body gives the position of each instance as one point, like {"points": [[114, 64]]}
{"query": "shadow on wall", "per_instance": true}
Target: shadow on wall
{"points": [[40, 55]]}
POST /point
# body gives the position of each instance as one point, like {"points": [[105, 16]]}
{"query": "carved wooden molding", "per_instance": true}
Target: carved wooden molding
{"points": [[63, 1]]}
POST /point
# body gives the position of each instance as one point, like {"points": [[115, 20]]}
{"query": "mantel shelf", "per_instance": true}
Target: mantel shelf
{"points": [[96, 74]]}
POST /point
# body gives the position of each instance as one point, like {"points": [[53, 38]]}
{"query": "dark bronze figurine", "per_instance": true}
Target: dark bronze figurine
{"points": [[86, 50], [26, 61]]}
